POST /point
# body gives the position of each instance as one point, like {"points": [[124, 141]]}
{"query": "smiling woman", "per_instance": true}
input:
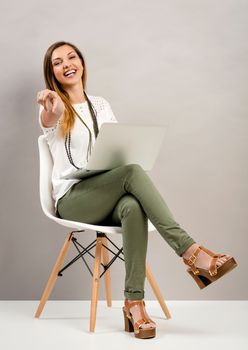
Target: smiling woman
{"points": [[65, 76], [67, 64], [123, 196]]}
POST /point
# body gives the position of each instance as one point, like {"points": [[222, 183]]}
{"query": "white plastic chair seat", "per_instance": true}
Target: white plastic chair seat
{"points": [[47, 202]]}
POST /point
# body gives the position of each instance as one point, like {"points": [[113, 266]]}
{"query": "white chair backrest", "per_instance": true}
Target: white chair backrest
{"points": [[46, 165]]}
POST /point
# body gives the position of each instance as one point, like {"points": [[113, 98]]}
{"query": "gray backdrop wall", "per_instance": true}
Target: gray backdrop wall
{"points": [[177, 63]]}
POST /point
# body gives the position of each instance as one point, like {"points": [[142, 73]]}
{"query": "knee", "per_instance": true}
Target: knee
{"points": [[129, 205], [134, 168]]}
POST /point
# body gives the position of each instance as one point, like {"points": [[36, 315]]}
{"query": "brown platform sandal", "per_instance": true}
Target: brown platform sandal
{"points": [[131, 326], [205, 277]]}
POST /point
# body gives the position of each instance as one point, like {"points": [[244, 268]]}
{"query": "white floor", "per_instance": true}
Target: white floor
{"points": [[65, 325]]}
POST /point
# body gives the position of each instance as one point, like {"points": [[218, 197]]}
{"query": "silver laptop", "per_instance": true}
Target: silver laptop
{"points": [[120, 144]]}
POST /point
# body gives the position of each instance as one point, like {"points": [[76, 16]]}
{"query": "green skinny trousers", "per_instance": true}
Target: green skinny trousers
{"points": [[126, 197]]}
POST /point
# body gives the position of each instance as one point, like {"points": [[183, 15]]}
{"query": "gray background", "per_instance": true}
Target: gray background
{"points": [[177, 63]]}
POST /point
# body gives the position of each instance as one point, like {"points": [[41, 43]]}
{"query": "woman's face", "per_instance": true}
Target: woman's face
{"points": [[67, 65]]}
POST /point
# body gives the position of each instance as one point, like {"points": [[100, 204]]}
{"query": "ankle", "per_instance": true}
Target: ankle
{"points": [[129, 301], [190, 250]]}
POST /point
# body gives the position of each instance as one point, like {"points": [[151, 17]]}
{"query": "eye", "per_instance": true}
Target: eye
{"points": [[72, 57], [56, 63]]}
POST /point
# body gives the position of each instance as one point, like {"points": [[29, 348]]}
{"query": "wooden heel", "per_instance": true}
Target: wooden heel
{"points": [[200, 280], [128, 324]]}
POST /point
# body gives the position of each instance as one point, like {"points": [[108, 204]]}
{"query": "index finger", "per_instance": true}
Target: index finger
{"points": [[55, 103]]}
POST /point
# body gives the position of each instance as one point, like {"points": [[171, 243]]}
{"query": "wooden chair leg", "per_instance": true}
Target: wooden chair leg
{"points": [[95, 284], [105, 261], [54, 275], [157, 292]]}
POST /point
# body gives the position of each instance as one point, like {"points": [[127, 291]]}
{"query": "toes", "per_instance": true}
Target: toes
{"points": [[147, 325], [226, 257], [223, 259]]}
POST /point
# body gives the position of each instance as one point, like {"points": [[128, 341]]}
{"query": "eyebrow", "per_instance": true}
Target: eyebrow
{"points": [[57, 58]]}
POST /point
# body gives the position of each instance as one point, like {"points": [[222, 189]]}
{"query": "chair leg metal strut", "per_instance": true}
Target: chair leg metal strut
{"points": [[101, 259]]}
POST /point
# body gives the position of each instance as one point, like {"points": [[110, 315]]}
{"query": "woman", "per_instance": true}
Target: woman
{"points": [[124, 196]]}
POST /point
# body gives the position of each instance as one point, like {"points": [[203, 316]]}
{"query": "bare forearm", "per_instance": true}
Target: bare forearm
{"points": [[53, 107], [49, 118]]}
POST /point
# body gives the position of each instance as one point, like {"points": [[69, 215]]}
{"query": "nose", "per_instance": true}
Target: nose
{"points": [[66, 63]]}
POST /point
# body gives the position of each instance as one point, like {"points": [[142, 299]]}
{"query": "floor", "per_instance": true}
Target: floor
{"points": [[64, 325]]}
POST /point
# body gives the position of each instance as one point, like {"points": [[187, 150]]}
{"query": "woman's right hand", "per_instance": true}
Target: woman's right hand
{"points": [[51, 102]]}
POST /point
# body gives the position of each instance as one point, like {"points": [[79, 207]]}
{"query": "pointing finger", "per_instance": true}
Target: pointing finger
{"points": [[55, 103]]}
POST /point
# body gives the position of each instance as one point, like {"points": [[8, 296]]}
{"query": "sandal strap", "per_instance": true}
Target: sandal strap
{"points": [[129, 304], [192, 259], [213, 265], [141, 304], [141, 322]]}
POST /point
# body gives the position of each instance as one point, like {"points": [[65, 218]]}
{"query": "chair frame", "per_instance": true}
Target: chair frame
{"points": [[101, 257]]}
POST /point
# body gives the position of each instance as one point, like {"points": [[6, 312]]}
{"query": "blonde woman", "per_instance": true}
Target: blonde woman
{"points": [[124, 196]]}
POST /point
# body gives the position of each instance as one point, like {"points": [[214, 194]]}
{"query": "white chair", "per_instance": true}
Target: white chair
{"points": [[101, 257]]}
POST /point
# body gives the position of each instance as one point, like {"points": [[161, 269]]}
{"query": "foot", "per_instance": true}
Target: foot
{"points": [[203, 260], [136, 313]]}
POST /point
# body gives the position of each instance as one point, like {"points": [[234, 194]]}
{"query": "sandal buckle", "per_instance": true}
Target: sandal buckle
{"points": [[192, 259]]}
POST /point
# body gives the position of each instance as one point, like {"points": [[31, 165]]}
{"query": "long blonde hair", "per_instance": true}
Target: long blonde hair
{"points": [[68, 119]]}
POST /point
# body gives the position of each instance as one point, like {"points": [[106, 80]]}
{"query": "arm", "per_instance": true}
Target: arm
{"points": [[53, 107]]}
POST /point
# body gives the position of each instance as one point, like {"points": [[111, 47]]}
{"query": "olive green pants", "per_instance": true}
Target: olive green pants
{"points": [[125, 196]]}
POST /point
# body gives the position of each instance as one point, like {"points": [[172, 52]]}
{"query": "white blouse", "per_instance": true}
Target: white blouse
{"points": [[79, 142]]}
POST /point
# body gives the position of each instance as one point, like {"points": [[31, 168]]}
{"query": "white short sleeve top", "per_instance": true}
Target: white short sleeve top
{"points": [[79, 142]]}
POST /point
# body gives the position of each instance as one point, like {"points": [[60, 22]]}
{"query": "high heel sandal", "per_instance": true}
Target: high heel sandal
{"points": [[205, 277], [136, 327]]}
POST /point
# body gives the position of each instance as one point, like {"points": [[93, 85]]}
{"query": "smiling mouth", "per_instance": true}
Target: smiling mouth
{"points": [[70, 73]]}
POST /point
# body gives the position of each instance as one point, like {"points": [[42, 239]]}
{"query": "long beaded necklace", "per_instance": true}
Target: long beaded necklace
{"points": [[96, 131]]}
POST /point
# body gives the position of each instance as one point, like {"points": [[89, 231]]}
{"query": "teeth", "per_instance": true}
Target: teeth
{"points": [[69, 72]]}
